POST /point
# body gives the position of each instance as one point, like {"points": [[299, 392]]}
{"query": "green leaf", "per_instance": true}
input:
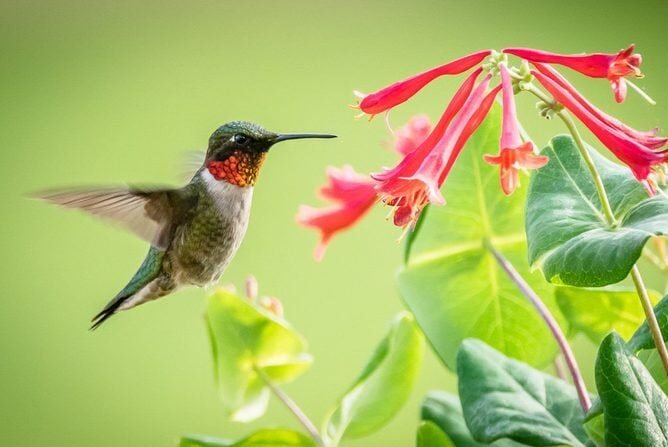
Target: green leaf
{"points": [[596, 312], [383, 385], [429, 435], [451, 282], [635, 409], [246, 338], [568, 236], [444, 410], [595, 428], [262, 438], [642, 338], [652, 361], [505, 398]]}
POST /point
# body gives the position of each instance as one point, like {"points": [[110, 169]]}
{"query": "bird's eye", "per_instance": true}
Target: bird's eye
{"points": [[240, 138]]}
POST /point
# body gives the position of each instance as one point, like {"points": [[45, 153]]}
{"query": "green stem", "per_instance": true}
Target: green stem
{"points": [[598, 182], [292, 406], [551, 322], [651, 317], [612, 222], [570, 124]]}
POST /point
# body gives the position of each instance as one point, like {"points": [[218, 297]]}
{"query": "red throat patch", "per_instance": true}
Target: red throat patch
{"points": [[240, 168]]}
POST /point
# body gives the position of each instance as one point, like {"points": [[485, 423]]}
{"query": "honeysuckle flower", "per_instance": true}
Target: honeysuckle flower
{"points": [[353, 194], [408, 197], [614, 67], [646, 138], [640, 158], [409, 164], [414, 132], [514, 154], [393, 95], [417, 179]]}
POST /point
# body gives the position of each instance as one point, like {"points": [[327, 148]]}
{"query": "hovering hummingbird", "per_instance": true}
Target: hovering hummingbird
{"points": [[195, 230]]}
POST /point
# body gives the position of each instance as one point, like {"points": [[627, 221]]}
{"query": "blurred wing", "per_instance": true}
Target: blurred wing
{"points": [[149, 214], [192, 162]]}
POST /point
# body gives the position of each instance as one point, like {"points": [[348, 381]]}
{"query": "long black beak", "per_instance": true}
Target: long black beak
{"points": [[299, 136]]}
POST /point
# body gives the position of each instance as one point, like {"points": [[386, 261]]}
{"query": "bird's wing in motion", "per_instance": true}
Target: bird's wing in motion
{"points": [[150, 214], [192, 162]]}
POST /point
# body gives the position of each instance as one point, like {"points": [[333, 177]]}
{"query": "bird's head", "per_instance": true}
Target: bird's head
{"points": [[238, 149]]}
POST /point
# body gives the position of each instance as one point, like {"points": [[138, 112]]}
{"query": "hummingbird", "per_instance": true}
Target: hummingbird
{"points": [[195, 230]]}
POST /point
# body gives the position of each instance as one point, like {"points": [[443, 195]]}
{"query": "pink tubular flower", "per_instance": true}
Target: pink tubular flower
{"points": [[514, 153], [409, 137], [614, 67], [417, 179], [354, 194], [412, 161], [393, 95], [636, 155], [646, 138]]}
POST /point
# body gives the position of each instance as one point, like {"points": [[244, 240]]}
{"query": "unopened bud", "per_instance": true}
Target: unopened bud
{"points": [[273, 305], [251, 287]]}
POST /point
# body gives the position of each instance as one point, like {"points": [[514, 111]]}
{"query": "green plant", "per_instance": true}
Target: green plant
{"points": [[500, 278]]}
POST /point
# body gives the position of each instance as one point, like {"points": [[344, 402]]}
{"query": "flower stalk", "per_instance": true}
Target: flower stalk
{"points": [[598, 182], [579, 142], [610, 218], [551, 322], [293, 407], [651, 317]]}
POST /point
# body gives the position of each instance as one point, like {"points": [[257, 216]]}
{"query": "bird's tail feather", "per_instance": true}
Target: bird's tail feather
{"points": [[147, 272]]}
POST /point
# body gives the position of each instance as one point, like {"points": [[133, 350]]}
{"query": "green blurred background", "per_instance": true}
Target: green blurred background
{"points": [[109, 92]]}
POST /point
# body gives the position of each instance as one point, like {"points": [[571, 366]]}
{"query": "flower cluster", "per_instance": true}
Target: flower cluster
{"points": [[429, 153]]}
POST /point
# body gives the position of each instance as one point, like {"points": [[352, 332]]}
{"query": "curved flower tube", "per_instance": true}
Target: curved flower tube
{"points": [[614, 67], [646, 138], [514, 154], [630, 151], [399, 92], [408, 197], [412, 134], [354, 195], [416, 181], [409, 164]]}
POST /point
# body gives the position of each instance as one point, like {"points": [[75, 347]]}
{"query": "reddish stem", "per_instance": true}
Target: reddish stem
{"points": [[552, 324]]}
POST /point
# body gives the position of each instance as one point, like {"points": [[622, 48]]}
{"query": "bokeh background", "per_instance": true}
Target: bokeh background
{"points": [[95, 92]]}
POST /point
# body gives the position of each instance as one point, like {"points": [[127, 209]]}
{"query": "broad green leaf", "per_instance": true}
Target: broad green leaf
{"points": [[596, 312], [505, 398], [444, 410], [383, 385], [595, 428], [642, 338], [450, 281], [634, 407], [246, 338], [262, 438], [569, 238], [650, 358], [429, 435]]}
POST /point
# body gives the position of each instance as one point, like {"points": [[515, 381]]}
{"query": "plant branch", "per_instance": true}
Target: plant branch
{"points": [[551, 322], [598, 182], [570, 124], [651, 317], [292, 406], [612, 222]]}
